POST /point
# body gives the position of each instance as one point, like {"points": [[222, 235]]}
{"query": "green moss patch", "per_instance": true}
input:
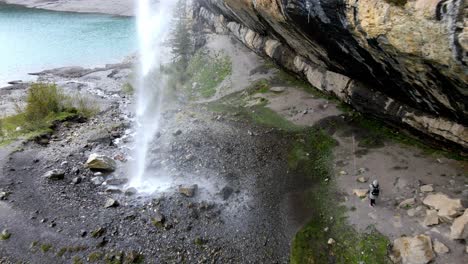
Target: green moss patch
{"points": [[207, 71], [311, 156]]}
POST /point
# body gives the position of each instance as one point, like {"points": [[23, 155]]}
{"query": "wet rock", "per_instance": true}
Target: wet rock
{"points": [[77, 180], [407, 203], [177, 132], [111, 203], [5, 235], [113, 189], [278, 89], [97, 180], [117, 181], [158, 219], [226, 192], [131, 191], [100, 162], [4, 195], [188, 191], [459, 228], [361, 193], [54, 175], [432, 218], [426, 188], [440, 248], [412, 250], [446, 207], [362, 179]]}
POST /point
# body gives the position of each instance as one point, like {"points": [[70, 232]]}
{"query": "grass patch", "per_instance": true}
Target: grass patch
{"points": [[45, 248], [208, 71], [45, 104], [127, 88], [311, 156], [95, 256]]}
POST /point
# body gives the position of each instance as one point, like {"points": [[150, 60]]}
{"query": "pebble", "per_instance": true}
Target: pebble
{"points": [[426, 188], [111, 203]]}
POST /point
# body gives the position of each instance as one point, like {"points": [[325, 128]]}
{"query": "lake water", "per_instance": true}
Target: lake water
{"points": [[33, 40]]}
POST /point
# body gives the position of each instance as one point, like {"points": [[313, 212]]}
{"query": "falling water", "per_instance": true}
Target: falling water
{"points": [[153, 25]]}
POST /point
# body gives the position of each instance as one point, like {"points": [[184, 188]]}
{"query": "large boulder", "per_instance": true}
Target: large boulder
{"points": [[447, 208], [459, 228], [412, 250], [100, 162]]}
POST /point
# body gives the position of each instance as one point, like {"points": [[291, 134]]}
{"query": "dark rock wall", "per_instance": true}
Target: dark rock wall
{"points": [[405, 61]]}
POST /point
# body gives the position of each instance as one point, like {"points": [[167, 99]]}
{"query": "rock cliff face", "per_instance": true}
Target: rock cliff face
{"points": [[401, 60]]}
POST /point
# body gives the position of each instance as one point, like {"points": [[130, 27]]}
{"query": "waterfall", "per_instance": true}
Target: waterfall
{"points": [[153, 28]]}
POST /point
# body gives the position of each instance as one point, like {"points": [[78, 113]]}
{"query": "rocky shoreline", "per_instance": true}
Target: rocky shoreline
{"points": [[111, 7]]}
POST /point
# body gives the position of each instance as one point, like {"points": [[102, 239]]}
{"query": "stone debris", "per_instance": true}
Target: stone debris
{"points": [[412, 250], [440, 248], [100, 162], [188, 191], [97, 180], [459, 228], [362, 179], [77, 180], [113, 189], [407, 202], [54, 175], [426, 188], [4, 195], [131, 191], [361, 193], [111, 203], [447, 208], [5, 235], [177, 132], [432, 218], [415, 211], [362, 170], [278, 89]]}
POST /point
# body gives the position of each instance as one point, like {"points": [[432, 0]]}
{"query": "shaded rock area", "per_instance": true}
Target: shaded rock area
{"points": [[367, 53]]}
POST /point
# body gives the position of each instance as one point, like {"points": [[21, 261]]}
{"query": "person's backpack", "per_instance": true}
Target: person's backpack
{"points": [[375, 190]]}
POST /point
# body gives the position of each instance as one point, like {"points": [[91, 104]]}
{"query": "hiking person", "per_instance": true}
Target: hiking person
{"points": [[373, 192]]}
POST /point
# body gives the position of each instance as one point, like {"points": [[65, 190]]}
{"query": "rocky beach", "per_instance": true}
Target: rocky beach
{"points": [[259, 168]]}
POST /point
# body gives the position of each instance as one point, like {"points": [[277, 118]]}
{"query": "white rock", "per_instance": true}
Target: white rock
{"points": [[412, 250], [361, 193], [343, 172], [459, 228], [427, 188], [432, 218], [331, 241], [100, 162], [440, 248], [446, 207], [362, 179]]}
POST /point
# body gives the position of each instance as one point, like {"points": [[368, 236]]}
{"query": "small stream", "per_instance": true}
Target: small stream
{"points": [[33, 40]]}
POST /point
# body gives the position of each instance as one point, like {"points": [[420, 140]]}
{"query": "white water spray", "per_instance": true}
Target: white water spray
{"points": [[153, 25]]}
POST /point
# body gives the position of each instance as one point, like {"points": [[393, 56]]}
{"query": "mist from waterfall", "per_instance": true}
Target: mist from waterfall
{"points": [[153, 28]]}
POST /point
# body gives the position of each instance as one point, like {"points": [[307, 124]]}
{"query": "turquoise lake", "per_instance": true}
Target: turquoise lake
{"points": [[33, 40]]}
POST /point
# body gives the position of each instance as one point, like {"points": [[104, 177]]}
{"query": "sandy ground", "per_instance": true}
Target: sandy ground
{"points": [[400, 169], [113, 7]]}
